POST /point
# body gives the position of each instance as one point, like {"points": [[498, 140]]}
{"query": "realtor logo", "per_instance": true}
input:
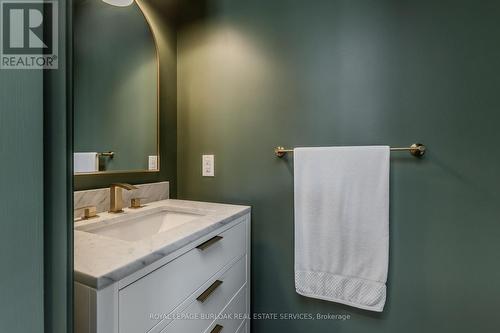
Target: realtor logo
{"points": [[28, 34]]}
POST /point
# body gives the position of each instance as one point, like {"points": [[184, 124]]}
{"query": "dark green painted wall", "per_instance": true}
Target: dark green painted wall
{"points": [[21, 201], [115, 84], [256, 74], [58, 184], [35, 205], [166, 38]]}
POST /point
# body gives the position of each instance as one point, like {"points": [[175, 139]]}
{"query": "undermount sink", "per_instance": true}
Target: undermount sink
{"points": [[137, 227]]}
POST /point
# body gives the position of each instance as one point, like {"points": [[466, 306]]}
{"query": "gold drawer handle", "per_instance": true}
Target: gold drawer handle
{"points": [[203, 297], [208, 243], [217, 329]]}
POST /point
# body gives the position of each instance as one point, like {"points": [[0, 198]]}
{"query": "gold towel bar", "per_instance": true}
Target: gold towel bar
{"points": [[109, 154], [416, 149]]}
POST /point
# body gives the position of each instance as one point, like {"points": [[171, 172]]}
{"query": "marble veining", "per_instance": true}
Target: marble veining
{"points": [[100, 197], [101, 261]]}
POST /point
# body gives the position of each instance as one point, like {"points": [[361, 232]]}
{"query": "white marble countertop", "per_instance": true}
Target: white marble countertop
{"points": [[100, 261]]}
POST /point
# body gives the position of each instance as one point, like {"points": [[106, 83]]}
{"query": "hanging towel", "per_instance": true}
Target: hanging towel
{"points": [[85, 162], [342, 224]]}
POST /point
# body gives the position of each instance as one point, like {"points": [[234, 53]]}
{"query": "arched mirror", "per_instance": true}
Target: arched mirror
{"points": [[116, 86]]}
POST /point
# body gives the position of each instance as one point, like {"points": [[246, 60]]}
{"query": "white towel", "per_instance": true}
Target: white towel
{"points": [[342, 224], [85, 162]]}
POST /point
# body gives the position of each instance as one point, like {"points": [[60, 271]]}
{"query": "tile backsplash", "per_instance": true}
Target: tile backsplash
{"points": [[100, 197]]}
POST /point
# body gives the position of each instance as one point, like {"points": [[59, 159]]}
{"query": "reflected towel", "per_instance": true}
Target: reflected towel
{"points": [[85, 162]]}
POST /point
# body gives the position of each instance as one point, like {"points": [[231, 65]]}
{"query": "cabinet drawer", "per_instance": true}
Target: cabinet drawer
{"points": [[199, 315], [143, 303], [232, 317]]}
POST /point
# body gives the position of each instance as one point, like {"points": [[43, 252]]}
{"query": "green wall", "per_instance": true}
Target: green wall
{"points": [[166, 37], [21, 194], [256, 74], [35, 208], [21, 201], [116, 84], [57, 184]]}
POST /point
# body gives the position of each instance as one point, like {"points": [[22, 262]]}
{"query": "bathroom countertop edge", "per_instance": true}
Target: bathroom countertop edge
{"points": [[128, 258]]}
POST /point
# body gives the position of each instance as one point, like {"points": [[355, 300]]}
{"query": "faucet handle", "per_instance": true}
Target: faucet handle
{"points": [[136, 202], [89, 212]]}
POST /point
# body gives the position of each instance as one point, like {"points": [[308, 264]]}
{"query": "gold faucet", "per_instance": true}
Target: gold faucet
{"points": [[115, 196]]}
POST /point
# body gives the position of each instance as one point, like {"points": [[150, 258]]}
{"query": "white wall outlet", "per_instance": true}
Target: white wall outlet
{"points": [[207, 165], [153, 162]]}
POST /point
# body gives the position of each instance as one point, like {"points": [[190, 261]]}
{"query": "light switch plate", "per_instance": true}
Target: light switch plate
{"points": [[208, 165], [153, 162]]}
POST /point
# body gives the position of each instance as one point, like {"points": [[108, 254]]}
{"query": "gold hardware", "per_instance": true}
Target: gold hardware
{"points": [[203, 297], [217, 329], [109, 154], [116, 196], [281, 151], [135, 203], [416, 149], [89, 212], [208, 243]]}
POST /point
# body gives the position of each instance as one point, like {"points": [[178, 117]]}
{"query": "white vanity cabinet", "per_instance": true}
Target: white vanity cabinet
{"points": [[203, 287]]}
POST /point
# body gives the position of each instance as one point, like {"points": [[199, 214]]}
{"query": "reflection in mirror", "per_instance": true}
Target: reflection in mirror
{"points": [[116, 121]]}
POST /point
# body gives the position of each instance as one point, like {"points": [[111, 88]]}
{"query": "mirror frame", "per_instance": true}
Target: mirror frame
{"points": [[157, 56]]}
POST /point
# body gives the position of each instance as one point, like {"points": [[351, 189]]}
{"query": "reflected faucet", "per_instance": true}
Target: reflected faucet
{"points": [[116, 198]]}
